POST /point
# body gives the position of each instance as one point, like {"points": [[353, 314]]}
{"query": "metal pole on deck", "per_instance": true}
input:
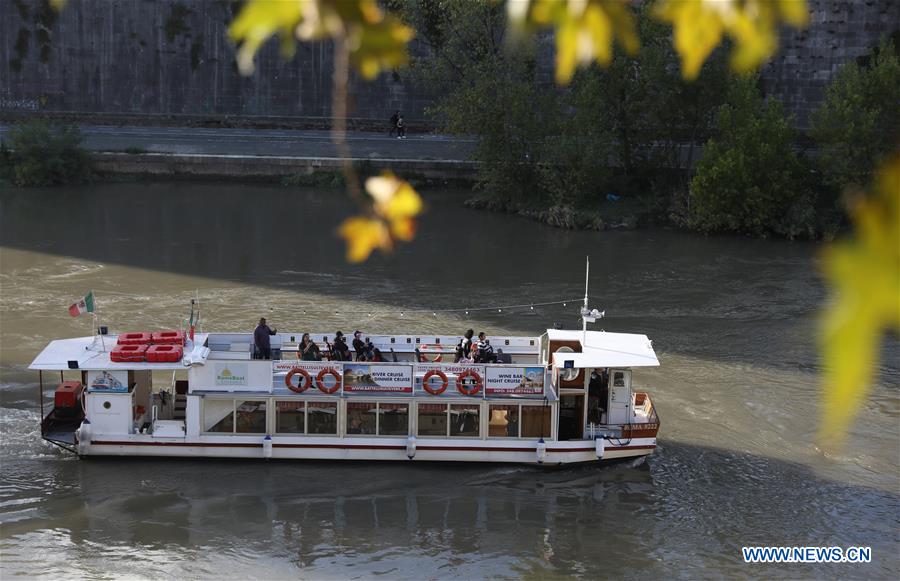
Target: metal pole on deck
{"points": [[41, 396], [584, 310]]}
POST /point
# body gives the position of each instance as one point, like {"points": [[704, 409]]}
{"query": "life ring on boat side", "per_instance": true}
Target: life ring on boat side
{"points": [[428, 354], [305, 380], [320, 380], [473, 387], [427, 386]]}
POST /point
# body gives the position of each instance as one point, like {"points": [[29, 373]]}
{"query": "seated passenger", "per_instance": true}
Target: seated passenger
{"points": [[484, 353], [339, 350], [464, 347], [359, 346], [308, 350], [371, 351]]}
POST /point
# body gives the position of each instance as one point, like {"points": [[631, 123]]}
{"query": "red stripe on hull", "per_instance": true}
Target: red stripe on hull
{"points": [[363, 447]]}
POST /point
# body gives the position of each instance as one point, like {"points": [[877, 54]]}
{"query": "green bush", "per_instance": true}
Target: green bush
{"points": [[859, 121], [42, 155], [750, 179]]}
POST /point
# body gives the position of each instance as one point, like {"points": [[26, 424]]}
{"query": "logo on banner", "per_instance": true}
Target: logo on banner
{"points": [[231, 374]]}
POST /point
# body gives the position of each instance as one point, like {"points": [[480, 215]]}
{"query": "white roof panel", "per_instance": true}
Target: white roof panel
{"points": [[91, 356], [604, 349]]}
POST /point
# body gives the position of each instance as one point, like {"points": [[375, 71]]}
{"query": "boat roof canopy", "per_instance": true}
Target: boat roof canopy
{"points": [[602, 349], [89, 354]]}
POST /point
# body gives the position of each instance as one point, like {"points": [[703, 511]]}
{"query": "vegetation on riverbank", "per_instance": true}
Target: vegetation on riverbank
{"points": [[41, 154], [630, 135]]}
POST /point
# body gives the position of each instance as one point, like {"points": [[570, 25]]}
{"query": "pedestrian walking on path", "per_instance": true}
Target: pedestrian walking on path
{"points": [[395, 118], [401, 128]]}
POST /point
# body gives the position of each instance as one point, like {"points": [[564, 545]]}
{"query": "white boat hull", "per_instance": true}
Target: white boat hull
{"points": [[395, 449]]}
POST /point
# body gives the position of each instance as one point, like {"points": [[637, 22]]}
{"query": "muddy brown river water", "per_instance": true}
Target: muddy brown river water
{"points": [[733, 321]]}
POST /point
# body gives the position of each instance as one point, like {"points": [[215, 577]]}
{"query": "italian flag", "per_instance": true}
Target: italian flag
{"points": [[85, 305]]}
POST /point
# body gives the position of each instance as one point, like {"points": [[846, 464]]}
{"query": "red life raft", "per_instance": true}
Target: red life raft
{"points": [[168, 338], [164, 353], [134, 339], [128, 353]]}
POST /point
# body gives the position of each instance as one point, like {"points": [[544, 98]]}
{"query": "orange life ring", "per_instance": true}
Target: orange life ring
{"points": [[435, 357], [474, 388], [320, 380], [305, 380], [429, 375]]}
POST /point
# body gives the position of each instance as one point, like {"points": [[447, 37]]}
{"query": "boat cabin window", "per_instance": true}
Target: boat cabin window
{"points": [[503, 421], [432, 419], [377, 418], [393, 419], [218, 415], [535, 421], [456, 420], [251, 417], [465, 420], [290, 417], [362, 418], [321, 417], [519, 421], [229, 416]]}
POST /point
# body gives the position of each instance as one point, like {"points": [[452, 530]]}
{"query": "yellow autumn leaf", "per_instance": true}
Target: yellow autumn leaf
{"points": [[380, 46], [394, 199], [752, 24], [585, 29], [395, 204], [376, 40], [257, 22], [864, 274], [363, 235]]}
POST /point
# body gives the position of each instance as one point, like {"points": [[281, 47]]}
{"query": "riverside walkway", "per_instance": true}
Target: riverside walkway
{"points": [[264, 152]]}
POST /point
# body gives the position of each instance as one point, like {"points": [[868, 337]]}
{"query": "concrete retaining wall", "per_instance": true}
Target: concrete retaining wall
{"points": [[266, 167]]}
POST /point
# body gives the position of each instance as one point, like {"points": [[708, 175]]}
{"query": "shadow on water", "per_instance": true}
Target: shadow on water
{"points": [[684, 512], [715, 298]]}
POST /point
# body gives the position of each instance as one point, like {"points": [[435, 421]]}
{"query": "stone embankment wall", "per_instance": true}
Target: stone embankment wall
{"points": [[839, 31], [172, 58], [132, 58]]}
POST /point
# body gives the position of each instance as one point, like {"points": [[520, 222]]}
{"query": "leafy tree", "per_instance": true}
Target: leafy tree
{"points": [[43, 155], [750, 179], [859, 121]]}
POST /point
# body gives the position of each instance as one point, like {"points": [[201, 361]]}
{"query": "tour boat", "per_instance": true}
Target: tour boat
{"points": [[563, 397]]}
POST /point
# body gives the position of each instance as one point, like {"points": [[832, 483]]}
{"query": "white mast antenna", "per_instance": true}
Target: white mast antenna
{"points": [[588, 315], [584, 310]]}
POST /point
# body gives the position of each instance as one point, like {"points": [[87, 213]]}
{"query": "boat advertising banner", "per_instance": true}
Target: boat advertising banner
{"points": [[375, 378], [450, 368], [281, 369], [514, 381]]}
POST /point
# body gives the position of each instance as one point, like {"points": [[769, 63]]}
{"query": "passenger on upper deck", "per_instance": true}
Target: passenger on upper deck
{"points": [[359, 346], [261, 347], [309, 351], [484, 353], [339, 350], [464, 347]]}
